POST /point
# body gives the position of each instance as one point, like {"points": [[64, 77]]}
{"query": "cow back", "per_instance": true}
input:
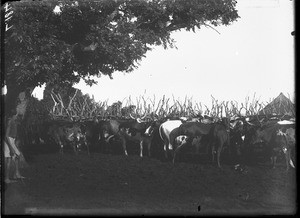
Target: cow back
{"points": [[219, 132], [266, 134], [193, 129]]}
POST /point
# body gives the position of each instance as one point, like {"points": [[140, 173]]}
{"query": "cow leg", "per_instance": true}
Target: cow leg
{"points": [[207, 148], [273, 160], [124, 146], [86, 143], [61, 150], [287, 154], [218, 155], [87, 148], [166, 151], [75, 148], [149, 149], [292, 163], [197, 148], [170, 146], [141, 148], [198, 144], [177, 150], [106, 144], [287, 157], [213, 153]]}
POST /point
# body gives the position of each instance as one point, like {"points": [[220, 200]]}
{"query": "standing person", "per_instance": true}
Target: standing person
{"points": [[11, 151]]}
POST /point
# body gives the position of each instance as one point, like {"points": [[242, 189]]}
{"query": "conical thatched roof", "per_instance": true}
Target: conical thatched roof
{"points": [[280, 105]]}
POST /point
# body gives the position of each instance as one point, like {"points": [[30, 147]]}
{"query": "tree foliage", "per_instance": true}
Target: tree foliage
{"points": [[97, 37]]}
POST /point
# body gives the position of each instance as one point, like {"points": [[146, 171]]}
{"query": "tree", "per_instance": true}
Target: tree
{"points": [[51, 40]]}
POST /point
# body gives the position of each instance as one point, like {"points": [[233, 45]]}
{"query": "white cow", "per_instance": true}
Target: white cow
{"points": [[165, 130]]}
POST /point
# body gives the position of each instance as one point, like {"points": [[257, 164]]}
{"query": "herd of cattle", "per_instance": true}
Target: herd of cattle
{"points": [[239, 137]]}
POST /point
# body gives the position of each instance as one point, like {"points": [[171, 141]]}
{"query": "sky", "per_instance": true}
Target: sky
{"points": [[253, 57]]}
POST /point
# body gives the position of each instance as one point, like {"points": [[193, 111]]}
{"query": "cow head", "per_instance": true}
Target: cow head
{"points": [[264, 134], [257, 136], [149, 131], [74, 133], [138, 119], [180, 140], [105, 134], [225, 121]]}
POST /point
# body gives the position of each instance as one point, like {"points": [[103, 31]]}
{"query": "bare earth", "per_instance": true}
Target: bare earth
{"points": [[103, 184]]}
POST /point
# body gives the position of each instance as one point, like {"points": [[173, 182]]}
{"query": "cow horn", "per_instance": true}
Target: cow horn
{"points": [[144, 116], [251, 124], [183, 118], [131, 116]]}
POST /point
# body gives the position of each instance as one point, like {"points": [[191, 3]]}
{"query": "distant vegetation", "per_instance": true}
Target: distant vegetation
{"points": [[73, 105]]}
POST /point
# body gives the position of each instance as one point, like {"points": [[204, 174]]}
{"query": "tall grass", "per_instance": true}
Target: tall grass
{"points": [[85, 108]]}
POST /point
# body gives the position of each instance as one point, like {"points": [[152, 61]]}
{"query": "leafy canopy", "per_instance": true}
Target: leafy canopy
{"points": [[97, 37]]}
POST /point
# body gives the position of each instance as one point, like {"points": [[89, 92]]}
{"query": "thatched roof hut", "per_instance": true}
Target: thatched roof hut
{"points": [[281, 105]]}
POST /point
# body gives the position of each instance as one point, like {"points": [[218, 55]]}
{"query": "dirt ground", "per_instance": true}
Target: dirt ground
{"points": [[105, 184]]}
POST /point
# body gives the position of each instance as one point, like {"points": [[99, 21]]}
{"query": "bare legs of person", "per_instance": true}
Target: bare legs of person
{"points": [[10, 161], [17, 174]]}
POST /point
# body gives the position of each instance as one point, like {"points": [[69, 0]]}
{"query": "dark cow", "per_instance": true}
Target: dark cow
{"points": [[64, 133], [275, 142], [290, 135], [195, 144], [240, 133], [108, 130], [91, 132], [217, 133], [150, 133], [184, 135], [237, 137], [133, 130], [32, 134], [169, 128]]}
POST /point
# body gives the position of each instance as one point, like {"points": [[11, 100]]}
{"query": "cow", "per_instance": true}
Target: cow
{"points": [[149, 135], [142, 136], [275, 142], [281, 146], [196, 143], [217, 133], [66, 133], [132, 130], [290, 137], [237, 137], [91, 133], [185, 134], [179, 143], [165, 129], [240, 130]]}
